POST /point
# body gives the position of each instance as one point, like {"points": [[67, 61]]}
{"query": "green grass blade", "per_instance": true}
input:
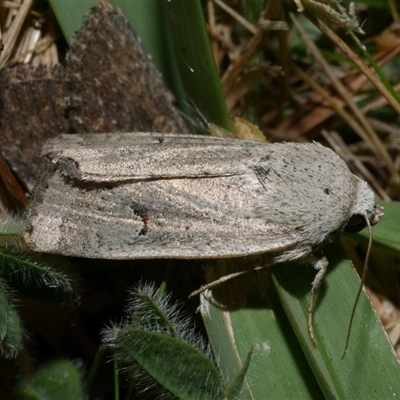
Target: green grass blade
{"points": [[370, 368], [149, 20], [70, 15], [245, 313], [195, 61], [234, 389], [283, 352]]}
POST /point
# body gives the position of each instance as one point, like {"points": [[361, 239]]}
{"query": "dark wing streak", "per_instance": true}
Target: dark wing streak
{"points": [[115, 181]]}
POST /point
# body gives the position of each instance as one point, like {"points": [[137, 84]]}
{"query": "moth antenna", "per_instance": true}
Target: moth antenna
{"points": [[222, 280], [363, 277]]}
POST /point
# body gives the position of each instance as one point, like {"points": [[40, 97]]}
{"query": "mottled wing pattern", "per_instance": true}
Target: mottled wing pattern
{"points": [[32, 110], [115, 85]]}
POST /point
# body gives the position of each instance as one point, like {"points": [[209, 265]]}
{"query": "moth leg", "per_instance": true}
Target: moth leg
{"points": [[223, 279], [321, 266]]}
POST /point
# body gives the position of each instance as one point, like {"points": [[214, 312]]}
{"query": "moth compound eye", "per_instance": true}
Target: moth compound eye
{"points": [[355, 224]]}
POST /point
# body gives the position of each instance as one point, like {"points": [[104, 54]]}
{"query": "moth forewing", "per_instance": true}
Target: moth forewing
{"points": [[148, 195], [151, 214], [126, 156], [186, 196]]}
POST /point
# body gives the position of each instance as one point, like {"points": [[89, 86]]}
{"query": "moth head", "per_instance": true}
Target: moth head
{"points": [[365, 211]]}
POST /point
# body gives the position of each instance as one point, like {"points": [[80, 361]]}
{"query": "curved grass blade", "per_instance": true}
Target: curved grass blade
{"points": [[370, 368], [245, 313], [195, 61]]}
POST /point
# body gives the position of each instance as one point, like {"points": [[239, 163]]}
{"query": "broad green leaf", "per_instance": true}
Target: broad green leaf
{"points": [[156, 332], [182, 370], [147, 314], [150, 308], [57, 380]]}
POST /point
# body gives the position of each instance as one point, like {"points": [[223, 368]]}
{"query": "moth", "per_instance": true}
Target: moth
{"points": [[152, 195]]}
